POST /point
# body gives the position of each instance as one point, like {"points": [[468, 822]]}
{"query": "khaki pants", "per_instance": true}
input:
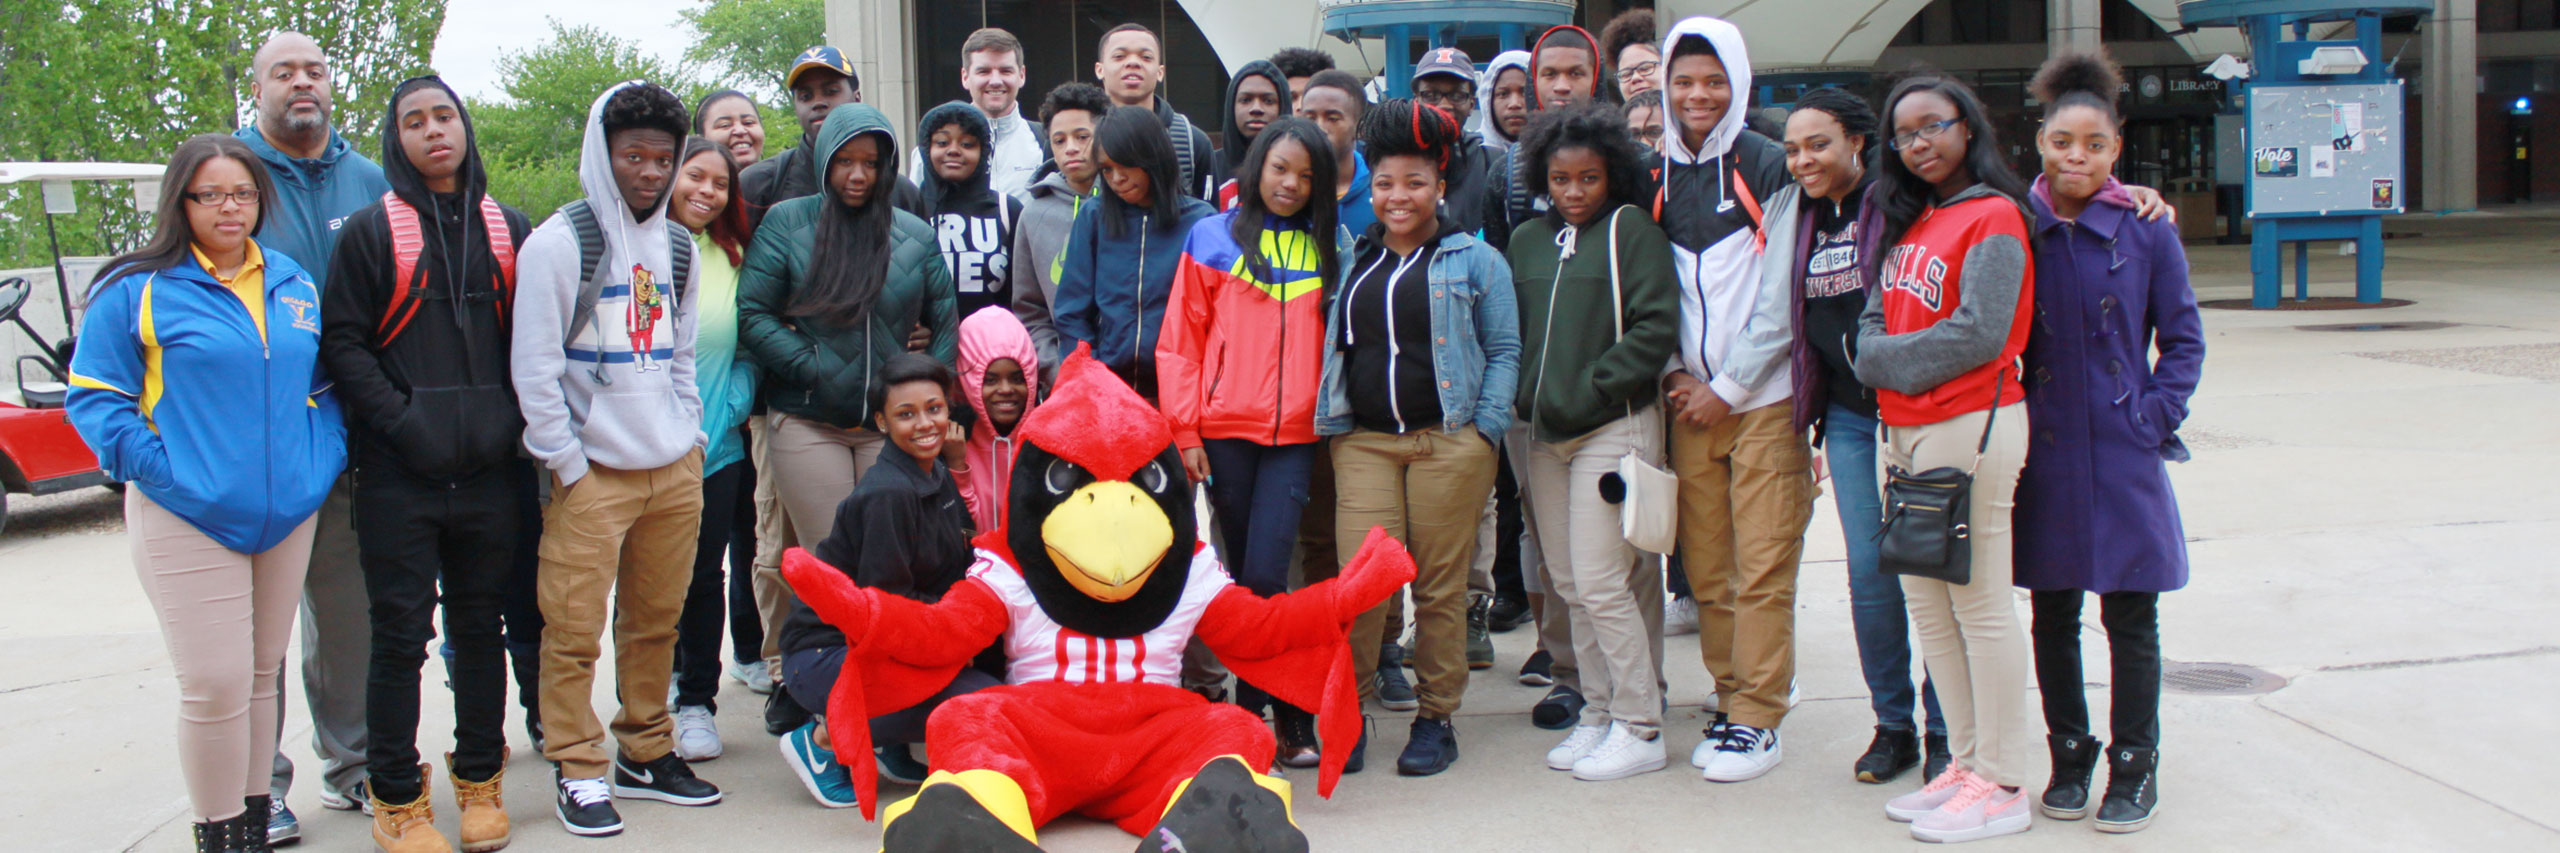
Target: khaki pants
{"points": [[227, 617], [623, 539], [1746, 493], [773, 536], [1427, 488], [1555, 630], [1598, 578], [815, 468], [1970, 634]]}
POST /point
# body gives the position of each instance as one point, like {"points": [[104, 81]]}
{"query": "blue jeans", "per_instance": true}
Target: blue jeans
{"points": [[1258, 492], [1875, 598]]}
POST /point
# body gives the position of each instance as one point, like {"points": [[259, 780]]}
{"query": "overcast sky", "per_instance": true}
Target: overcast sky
{"points": [[477, 32]]}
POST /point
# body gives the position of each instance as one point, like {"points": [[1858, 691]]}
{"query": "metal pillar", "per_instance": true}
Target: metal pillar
{"points": [[873, 35], [2451, 123], [2071, 25]]}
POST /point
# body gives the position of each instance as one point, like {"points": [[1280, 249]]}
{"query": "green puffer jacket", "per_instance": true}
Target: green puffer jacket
{"points": [[1577, 371], [815, 369]]}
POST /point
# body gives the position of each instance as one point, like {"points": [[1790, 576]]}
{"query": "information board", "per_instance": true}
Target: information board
{"points": [[2326, 149]]}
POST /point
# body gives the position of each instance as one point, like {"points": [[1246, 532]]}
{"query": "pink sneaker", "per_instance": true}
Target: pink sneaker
{"points": [[1909, 807], [1980, 810]]}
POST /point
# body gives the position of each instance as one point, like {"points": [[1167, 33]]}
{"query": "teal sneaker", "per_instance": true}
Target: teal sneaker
{"points": [[816, 765]]}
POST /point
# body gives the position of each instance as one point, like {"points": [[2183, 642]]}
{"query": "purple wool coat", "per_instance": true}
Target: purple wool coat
{"points": [[2094, 508]]}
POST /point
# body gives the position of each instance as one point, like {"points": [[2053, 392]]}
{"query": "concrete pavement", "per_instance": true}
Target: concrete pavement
{"points": [[2370, 516]]}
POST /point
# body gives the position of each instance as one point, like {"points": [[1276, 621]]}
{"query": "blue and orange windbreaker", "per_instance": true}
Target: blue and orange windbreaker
{"points": [[226, 424], [1239, 357]]}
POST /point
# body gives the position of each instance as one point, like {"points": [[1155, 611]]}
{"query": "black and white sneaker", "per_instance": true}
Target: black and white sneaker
{"points": [[667, 780], [664, 779], [585, 806]]}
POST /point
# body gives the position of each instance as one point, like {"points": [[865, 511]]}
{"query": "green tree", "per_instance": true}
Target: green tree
{"points": [[751, 42], [127, 80], [530, 141]]}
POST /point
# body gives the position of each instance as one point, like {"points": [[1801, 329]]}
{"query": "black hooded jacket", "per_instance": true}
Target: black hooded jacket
{"points": [[1233, 143], [972, 223], [437, 404]]}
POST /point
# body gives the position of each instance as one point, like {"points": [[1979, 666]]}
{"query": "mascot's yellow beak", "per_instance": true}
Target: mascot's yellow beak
{"points": [[1107, 539]]}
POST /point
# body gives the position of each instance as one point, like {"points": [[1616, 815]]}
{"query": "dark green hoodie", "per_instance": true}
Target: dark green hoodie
{"points": [[814, 368], [1577, 371]]}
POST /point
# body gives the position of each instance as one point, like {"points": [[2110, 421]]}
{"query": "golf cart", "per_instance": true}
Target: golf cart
{"points": [[40, 454]]}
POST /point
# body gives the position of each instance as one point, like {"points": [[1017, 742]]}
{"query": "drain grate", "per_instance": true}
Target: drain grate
{"points": [[2218, 679], [2406, 326]]}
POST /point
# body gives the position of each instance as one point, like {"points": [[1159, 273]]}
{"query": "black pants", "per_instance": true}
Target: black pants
{"points": [[1509, 525], [418, 538], [523, 606], [811, 673], [2132, 620], [728, 536]]}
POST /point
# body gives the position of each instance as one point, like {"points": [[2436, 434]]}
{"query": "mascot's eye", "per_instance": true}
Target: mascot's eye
{"points": [[1064, 476], [1151, 478]]}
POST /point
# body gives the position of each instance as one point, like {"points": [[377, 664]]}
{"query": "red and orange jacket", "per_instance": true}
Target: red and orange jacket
{"points": [[1239, 357]]}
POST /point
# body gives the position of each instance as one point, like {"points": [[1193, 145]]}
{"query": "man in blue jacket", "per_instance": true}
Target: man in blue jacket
{"points": [[319, 181]]}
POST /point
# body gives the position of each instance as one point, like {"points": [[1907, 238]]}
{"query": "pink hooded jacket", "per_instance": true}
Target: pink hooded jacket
{"points": [[991, 334]]}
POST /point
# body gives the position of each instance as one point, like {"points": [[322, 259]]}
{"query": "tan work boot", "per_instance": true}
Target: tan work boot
{"points": [[484, 813], [409, 827]]}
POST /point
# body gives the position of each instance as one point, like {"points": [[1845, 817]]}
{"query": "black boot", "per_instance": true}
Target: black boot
{"points": [[2075, 759], [1296, 731], [2133, 790], [1933, 748], [249, 830], [214, 836]]}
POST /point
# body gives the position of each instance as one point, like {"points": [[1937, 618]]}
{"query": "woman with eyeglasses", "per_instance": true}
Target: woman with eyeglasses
{"points": [[198, 380], [1939, 341], [1634, 53]]}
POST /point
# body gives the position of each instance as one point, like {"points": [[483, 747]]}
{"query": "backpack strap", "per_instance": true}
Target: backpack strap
{"points": [[1182, 148], [679, 257], [590, 255], [1750, 203], [502, 249], [408, 283]]}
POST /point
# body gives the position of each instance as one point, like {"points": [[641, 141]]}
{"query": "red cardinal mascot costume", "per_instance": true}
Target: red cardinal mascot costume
{"points": [[1094, 585]]}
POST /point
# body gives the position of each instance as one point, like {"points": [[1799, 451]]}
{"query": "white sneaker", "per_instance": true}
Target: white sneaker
{"points": [[1980, 810], [1576, 745], [1909, 807], [1620, 755], [697, 737], [756, 676], [1679, 616], [1742, 754]]}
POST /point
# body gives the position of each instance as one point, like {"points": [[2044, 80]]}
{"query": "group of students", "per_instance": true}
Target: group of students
{"points": [[1352, 315]]}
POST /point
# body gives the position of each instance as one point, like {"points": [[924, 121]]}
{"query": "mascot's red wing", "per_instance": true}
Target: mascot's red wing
{"points": [[898, 651], [1296, 646]]}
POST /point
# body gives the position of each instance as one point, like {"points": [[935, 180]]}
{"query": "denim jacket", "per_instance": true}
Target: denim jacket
{"points": [[1475, 329]]}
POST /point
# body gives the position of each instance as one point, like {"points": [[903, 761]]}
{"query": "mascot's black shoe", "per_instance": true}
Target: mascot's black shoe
{"points": [[976, 811], [1228, 808]]}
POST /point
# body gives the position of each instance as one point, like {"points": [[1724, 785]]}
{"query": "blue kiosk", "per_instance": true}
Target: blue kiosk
{"points": [[1443, 22], [2323, 131]]}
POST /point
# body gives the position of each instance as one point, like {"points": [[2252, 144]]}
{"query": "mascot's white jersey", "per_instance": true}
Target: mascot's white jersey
{"points": [[1043, 650]]}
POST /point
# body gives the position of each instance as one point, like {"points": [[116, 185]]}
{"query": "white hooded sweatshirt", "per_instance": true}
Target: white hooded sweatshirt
{"points": [[621, 394], [1734, 330]]}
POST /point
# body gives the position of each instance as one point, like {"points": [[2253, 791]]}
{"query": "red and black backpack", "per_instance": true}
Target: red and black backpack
{"points": [[408, 241]]}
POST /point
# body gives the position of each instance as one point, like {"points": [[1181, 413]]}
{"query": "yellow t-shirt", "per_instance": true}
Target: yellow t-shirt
{"points": [[250, 284]]}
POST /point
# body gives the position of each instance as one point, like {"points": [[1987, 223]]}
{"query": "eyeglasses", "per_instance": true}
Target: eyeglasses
{"points": [[1443, 96], [1927, 131], [213, 198], [1639, 71]]}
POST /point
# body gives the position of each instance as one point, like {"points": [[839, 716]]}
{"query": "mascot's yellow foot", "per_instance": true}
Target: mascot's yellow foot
{"points": [[965, 812], [1227, 807]]}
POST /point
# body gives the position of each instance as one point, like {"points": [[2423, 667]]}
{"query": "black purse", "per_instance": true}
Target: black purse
{"points": [[1926, 531]]}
